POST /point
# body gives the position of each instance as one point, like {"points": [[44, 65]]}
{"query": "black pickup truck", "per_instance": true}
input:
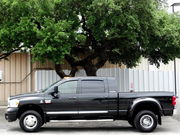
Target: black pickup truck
{"points": [[89, 98]]}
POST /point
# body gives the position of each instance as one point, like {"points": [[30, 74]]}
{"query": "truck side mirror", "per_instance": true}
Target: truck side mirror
{"points": [[55, 92], [56, 89]]}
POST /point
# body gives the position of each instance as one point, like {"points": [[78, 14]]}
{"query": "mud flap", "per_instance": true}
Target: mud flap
{"points": [[159, 120]]}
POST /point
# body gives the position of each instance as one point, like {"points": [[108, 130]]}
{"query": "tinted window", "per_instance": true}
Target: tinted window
{"points": [[93, 86], [68, 87]]}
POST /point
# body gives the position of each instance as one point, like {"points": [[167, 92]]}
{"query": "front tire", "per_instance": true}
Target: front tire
{"points": [[30, 121], [145, 121]]}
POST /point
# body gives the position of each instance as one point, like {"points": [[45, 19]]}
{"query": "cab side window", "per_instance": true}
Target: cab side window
{"points": [[68, 87], [92, 86]]}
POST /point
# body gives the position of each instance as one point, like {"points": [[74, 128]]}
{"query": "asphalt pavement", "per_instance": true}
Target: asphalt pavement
{"points": [[170, 126]]}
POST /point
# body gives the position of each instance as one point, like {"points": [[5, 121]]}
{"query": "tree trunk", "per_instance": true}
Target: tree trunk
{"points": [[90, 69], [60, 72]]}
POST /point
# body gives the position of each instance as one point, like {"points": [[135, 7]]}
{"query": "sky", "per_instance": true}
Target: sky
{"points": [[170, 2]]}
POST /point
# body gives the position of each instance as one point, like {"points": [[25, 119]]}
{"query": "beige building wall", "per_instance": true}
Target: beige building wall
{"points": [[16, 78]]}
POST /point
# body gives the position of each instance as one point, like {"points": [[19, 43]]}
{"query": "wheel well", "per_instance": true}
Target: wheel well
{"points": [[36, 108], [146, 106]]}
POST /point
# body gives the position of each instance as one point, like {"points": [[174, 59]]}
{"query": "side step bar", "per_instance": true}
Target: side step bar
{"points": [[100, 120]]}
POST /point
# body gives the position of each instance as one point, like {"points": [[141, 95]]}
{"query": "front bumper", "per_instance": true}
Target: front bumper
{"points": [[11, 114]]}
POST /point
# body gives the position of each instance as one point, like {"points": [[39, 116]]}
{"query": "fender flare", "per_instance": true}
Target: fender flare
{"points": [[140, 101], [37, 107]]}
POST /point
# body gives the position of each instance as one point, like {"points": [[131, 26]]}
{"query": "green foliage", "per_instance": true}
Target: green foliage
{"points": [[118, 31], [54, 41]]}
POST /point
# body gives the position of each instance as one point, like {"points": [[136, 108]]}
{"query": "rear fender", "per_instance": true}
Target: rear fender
{"points": [[143, 101]]}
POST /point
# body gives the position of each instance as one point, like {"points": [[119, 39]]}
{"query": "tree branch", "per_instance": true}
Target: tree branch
{"points": [[5, 55], [101, 62], [82, 62], [60, 72], [74, 69], [89, 31]]}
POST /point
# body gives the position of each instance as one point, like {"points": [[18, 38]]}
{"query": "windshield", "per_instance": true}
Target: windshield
{"points": [[43, 90]]}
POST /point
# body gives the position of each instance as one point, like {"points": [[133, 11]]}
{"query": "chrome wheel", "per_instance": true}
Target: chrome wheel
{"points": [[146, 121], [30, 121]]}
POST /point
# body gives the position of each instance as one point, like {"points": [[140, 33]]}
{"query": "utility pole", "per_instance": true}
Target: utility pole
{"points": [[175, 71]]}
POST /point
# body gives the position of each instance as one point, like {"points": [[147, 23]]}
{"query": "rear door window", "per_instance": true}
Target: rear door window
{"points": [[92, 86]]}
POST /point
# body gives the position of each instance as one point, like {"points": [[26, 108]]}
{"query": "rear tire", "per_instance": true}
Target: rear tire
{"points": [[30, 121], [145, 121]]}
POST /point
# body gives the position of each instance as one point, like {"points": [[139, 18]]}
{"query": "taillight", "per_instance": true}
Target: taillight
{"points": [[173, 100]]}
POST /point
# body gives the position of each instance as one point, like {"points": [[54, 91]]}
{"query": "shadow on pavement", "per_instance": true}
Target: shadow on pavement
{"points": [[79, 129], [88, 128], [82, 130]]}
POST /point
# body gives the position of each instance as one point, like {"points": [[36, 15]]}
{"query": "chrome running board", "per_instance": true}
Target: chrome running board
{"points": [[100, 120]]}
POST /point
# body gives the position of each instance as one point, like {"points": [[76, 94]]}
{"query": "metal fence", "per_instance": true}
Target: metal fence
{"points": [[128, 79]]}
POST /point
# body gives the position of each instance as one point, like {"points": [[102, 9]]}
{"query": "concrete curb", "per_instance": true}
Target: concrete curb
{"points": [[3, 107]]}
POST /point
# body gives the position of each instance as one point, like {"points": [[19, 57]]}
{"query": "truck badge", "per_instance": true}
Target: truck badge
{"points": [[47, 101]]}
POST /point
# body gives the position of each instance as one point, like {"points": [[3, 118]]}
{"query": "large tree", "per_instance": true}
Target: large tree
{"points": [[88, 33]]}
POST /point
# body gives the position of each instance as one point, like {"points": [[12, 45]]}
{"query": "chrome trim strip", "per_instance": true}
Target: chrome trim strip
{"points": [[76, 112], [119, 110], [63, 112], [61, 121], [89, 112], [122, 110]]}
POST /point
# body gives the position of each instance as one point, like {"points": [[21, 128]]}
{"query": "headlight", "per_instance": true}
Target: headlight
{"points": [[13, 103]]}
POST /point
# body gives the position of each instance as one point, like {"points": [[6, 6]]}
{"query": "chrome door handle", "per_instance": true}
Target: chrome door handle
{"points": [[73, 98]]}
